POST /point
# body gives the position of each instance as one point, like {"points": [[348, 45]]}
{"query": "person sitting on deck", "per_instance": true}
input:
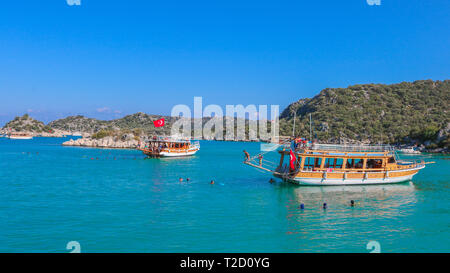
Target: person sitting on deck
{"points": [[377, 164], [359, 165]]}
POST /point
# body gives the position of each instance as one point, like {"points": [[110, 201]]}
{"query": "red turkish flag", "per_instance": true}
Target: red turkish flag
{"points": [[159, 123], [292, 159]]}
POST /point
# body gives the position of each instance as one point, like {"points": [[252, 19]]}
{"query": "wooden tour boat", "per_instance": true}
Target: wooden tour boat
{"points": [[326, 164], [19, 136], [170, 147]]}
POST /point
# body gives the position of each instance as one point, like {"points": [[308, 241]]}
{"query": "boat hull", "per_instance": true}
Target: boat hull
{"points": [[177, 154], [372, 179], [340, 182], [20, 137]]}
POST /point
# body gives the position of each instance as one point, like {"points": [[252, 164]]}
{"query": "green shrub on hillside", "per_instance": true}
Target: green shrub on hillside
{"points": [[101, 134], [374, 112]]}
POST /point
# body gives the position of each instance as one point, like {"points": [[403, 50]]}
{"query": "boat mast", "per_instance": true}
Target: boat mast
{"points": [[293, 128], [310, 126]]}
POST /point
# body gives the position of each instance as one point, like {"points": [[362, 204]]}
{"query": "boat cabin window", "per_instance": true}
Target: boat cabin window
{"points": [[298, 161], [391, 159], [374, 163], [309, 163], [179, 145], [333, 163], [328, 162], [337, 163], [355, 163], [312, 162], [317, 162]]}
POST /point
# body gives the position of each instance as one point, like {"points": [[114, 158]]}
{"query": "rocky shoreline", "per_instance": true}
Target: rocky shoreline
{"points": [[56, 133], [107, 142], [133, 143]]}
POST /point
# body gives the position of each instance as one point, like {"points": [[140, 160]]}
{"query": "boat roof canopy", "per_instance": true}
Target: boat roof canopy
{"points": [[170, 139], [346, 151], [352, 148]]}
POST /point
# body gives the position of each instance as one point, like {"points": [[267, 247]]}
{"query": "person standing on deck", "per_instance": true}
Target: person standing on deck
{"points": [[247, 156], [260, 157]]}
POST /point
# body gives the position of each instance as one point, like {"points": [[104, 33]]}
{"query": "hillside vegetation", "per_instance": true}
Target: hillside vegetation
{"points": [[141, 122], [135, 121], [26, 123], [407, 112], [397, 113]]}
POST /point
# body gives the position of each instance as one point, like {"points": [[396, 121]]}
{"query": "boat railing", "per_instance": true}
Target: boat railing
{"points": [[195, 144], [352, 147], [343, 147], [170, 139]]}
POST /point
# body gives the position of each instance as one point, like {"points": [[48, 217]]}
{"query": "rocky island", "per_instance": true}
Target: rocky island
{"points": [[407, 113], [110, 139], [27, 125], [403, 114]]}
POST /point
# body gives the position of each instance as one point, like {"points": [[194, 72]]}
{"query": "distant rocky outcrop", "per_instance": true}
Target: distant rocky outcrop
{"points": [[106, 142], [140, 121], [90, 125], [125, 139], [27, 124], [80, 124], [410, 113]]}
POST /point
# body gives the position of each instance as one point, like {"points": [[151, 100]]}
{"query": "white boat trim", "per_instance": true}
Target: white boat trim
{"points": [[20, 137], [175, 154], [365, 181]]}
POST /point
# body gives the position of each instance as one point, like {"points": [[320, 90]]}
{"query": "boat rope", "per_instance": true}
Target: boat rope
{"points": [[262, 168], [266, 165]]}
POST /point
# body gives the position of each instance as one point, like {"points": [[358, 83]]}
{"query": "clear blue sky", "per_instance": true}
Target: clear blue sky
{"points": [[110, 58]]}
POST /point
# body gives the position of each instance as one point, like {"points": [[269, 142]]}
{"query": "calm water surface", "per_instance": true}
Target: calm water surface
{"points": [[117, 201]]}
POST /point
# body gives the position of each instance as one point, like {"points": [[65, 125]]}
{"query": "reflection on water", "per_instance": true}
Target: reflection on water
{"points": [[376, 207], [399, 194], [116, 201]]}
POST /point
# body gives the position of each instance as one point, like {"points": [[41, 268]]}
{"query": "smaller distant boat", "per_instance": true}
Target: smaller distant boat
{"points": [[170, 147], [20, 136], [76, 134], [409, 151]]}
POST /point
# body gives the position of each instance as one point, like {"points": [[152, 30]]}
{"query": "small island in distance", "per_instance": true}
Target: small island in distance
{"points": [[407, 113]]}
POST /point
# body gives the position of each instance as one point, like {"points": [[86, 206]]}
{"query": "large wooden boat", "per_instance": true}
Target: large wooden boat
{"points": [[325, 165], [170, 147], [19, 136]]}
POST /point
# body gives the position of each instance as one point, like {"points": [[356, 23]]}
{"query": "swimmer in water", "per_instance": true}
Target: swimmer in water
{"points": [[180, 179], [212, 182], [271, 180]]}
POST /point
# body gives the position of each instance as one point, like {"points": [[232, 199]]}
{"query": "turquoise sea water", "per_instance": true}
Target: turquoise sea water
{"points": [[117, 201]]}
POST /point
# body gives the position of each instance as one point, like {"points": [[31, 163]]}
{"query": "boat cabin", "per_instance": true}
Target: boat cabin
{"points": [[167, 146]]}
